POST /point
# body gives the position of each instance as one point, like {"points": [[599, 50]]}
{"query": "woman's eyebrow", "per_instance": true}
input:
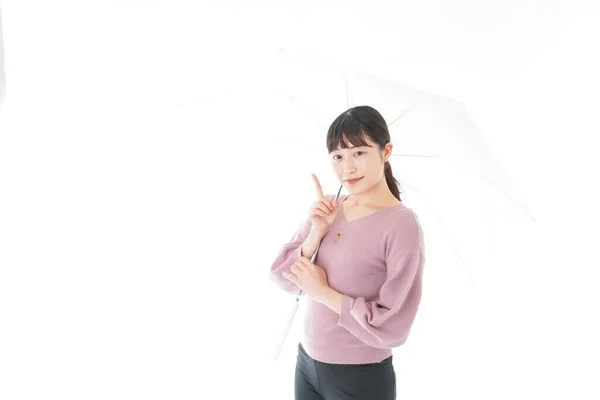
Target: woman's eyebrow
{"points": [[356, 147], [350, 148]]}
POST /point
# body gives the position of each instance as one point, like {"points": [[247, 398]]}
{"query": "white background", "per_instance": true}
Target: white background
{"points": [[146, 186]]}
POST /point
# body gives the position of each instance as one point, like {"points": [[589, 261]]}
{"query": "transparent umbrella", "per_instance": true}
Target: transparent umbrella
{"points": [[438, 155]]}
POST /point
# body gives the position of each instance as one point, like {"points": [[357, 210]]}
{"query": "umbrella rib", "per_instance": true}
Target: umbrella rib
{"points": [[470, 169], [414, 155], [446, 232], [401, 115]]}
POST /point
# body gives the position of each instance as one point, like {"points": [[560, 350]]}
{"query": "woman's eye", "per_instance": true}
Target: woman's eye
{"points": [[334, 157]]}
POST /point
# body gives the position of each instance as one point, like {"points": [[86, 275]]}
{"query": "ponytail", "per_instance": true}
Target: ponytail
{"points": [[391, 181]]}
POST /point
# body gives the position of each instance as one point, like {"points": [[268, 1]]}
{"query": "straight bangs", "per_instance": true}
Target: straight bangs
{"points": [[345, 126]]}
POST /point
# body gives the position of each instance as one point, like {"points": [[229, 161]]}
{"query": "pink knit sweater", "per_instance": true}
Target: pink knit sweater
{"points": [[377, 265]]}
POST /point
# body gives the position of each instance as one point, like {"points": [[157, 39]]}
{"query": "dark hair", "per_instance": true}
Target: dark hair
{"points": [[353, 124]]}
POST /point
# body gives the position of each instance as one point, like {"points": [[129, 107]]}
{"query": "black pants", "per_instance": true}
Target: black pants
{"points": [[315, 380]]}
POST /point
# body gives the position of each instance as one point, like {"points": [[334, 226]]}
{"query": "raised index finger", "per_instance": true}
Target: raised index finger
{"points": [[318, 186]]}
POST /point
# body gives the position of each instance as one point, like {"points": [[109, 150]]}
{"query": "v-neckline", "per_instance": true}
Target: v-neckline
{"points": [[346, 222]]}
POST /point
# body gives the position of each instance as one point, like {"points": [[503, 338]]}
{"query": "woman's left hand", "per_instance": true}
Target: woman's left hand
{"points": [[309, 277]]}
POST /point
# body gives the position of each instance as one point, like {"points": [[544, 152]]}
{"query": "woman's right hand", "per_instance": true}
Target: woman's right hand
{"points": [[323, 211]]}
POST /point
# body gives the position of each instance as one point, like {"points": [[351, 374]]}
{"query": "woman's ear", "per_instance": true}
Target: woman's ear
{"points": [[387, 151]]}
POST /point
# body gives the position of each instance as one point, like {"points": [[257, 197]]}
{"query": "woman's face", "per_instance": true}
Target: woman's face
{"points": [[365, 162]]}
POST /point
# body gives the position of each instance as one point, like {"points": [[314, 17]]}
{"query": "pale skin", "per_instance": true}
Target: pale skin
{"points": [[370, 194]]}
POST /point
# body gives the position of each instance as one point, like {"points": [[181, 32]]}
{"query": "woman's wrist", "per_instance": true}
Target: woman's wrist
{"points": [[316, 234]]}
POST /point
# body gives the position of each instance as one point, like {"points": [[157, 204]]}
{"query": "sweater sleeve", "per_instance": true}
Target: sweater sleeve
{"points": [[288, 255], [386, 321]]}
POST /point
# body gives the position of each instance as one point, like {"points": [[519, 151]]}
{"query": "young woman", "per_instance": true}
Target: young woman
{"points": [[364, 288]]}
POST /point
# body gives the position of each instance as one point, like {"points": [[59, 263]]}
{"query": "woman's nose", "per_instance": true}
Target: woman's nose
{"points": [[348, 171], [348, 167]]}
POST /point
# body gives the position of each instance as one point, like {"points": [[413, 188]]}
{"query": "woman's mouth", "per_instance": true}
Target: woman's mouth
{"points": [[353, 181]]}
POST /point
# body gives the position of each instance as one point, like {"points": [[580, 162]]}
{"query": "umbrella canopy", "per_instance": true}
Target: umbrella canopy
{"points": [[439, 153]]}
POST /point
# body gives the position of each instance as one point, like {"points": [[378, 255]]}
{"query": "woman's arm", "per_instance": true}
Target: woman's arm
{"points": [[303, 243], [385, 322]]}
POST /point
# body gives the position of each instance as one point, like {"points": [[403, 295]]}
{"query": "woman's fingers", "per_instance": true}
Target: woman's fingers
{"points": [[297, 268], [323, 211], [323, 208], [291, 277], [318, 188], [327, 204], [320, 213]]}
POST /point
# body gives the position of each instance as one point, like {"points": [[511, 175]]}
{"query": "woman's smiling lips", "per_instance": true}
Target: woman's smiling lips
{"points": [[353, 181]]}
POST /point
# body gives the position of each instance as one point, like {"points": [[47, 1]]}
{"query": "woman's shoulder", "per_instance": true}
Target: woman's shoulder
{"points": [[403, 217], [403, 224]]}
